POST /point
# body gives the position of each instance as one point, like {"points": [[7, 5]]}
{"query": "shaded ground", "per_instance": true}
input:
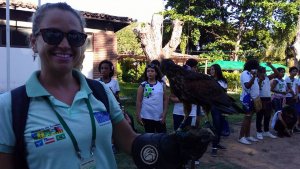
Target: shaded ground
{"points": [[280, 153]]}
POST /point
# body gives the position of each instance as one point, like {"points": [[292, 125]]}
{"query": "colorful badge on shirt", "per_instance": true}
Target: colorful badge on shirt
{"points": [[48, 135], [148, 90]]}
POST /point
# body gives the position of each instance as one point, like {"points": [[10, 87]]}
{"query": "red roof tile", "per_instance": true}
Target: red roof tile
{"points": [[90, 15], [17, 4]]}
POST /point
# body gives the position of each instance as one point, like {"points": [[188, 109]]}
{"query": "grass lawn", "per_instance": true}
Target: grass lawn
{"points": [[128, 99]]}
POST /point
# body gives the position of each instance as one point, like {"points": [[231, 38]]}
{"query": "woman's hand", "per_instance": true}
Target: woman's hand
{"points": [[163, 118], [127, 118]]}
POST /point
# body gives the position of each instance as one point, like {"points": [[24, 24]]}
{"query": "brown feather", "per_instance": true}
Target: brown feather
{"points": [[196, 88]]}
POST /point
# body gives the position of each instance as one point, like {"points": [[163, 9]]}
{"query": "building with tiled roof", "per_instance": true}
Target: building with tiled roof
{"points": [[102, 41]]}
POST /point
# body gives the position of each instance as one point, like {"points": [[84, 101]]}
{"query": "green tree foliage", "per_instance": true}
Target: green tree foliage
{"points": [[285, 24], [132, 71], [127, 41], [257, 28]]}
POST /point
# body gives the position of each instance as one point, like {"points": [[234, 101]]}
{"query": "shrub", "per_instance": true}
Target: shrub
{"points": [[132, 70], [119, 72], [233, 79]]}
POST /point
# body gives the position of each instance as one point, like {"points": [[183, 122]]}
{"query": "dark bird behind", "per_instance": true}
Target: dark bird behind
{"points": [[197, 88]]}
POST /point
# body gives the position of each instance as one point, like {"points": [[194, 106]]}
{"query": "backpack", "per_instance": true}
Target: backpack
{"points": [[247, 102], [20, 105]]}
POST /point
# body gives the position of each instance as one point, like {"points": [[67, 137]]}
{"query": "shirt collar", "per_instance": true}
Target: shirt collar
{"points": [[35, 89]]}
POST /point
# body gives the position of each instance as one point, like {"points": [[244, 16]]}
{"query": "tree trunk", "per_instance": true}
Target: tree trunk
{"points": [[238, 39], [175, 39], [151, 38], [296, 45]]}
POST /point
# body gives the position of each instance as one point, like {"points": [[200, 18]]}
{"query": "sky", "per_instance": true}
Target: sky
{"points": [[142, 10]]}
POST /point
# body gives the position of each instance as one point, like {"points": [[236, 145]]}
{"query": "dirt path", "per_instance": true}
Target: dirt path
{"points": [[280, 153]]}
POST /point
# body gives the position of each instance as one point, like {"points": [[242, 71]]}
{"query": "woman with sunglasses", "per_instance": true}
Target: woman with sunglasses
{"points": [[152, 101], [66, 126], [59, 101]]}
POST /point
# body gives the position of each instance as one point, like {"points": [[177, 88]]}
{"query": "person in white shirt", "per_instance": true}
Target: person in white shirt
{"points": [[178, 114], [279, 89], [297, 128], [284, 121], [250, 88], [106, 69], [65, 125], [217, 117], [265, 95], [292, 82], [292, 97], [152, 101]]}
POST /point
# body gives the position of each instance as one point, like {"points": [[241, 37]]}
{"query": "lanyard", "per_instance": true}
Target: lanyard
{"points": [[68, 130]]}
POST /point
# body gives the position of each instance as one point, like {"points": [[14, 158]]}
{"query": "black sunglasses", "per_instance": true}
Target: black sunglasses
{"points": [[54, 36], [151, 66]]}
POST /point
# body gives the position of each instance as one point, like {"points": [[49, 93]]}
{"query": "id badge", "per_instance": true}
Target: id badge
{"points": [[89, 163]]}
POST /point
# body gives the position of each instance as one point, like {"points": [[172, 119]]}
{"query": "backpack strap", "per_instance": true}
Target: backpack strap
{"points": [[19, 105], [99, 92]]}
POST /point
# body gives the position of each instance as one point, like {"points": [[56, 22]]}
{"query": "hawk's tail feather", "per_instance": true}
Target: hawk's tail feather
{"points": [[238, 108], [233, 109]]}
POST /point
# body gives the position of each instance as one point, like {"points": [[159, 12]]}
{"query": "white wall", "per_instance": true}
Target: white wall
{"points": [[87, 69], [22, 66]]}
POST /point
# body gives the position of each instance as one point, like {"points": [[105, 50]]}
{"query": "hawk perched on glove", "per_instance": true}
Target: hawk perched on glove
{"points": [[197, 88]]}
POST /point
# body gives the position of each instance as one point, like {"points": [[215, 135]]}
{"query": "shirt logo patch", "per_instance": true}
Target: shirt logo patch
{"points": [[39, 143], [48, 135], [102, 117], [49, 140], [149, 154], [60, 137], [148, 90]]}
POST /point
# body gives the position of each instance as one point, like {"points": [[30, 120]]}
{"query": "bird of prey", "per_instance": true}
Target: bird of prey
{"points": [[197, 88]]}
